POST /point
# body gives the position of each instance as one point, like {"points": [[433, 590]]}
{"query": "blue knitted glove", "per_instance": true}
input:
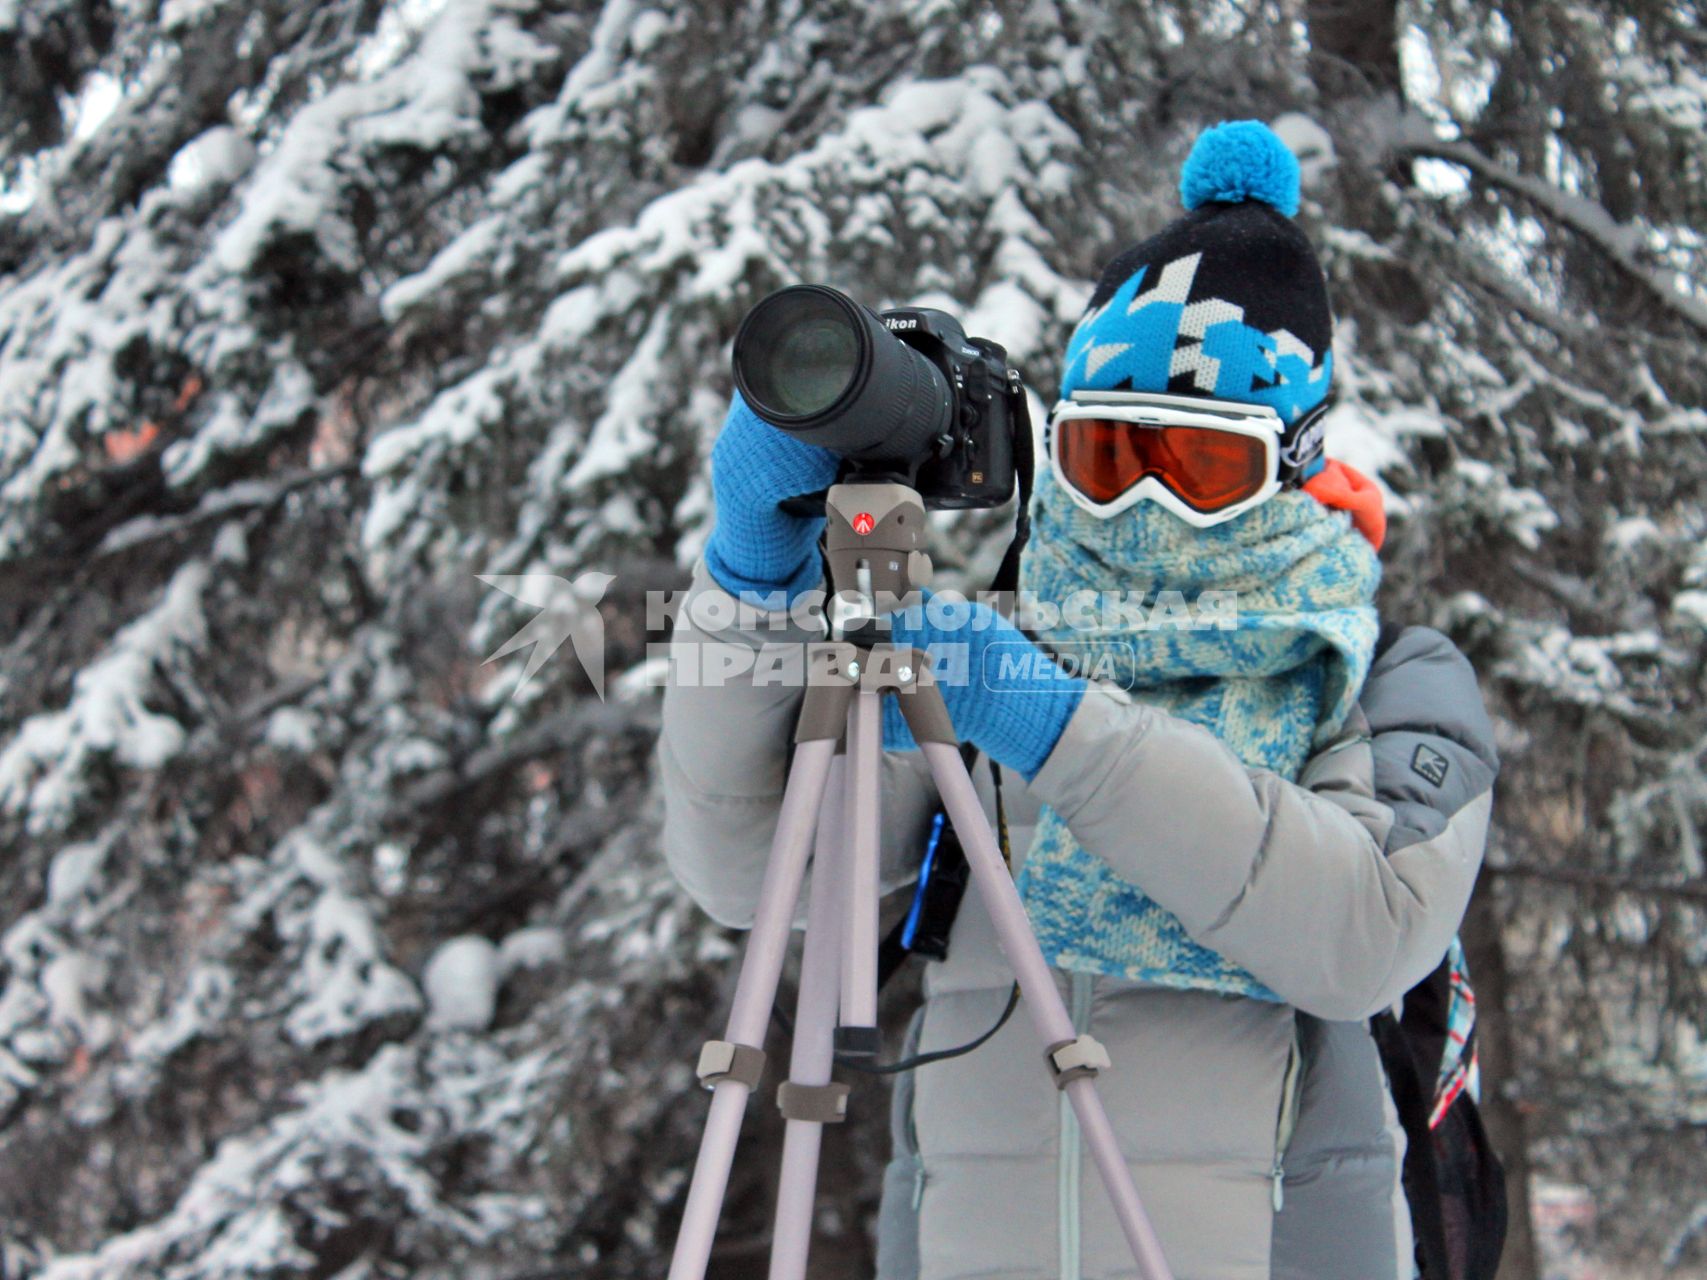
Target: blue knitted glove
{"points": [[756, 550], [1004, 694]]}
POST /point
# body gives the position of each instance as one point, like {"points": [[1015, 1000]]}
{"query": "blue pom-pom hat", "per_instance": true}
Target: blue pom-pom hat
{"points": [[1229, 302], [1240, 160]]}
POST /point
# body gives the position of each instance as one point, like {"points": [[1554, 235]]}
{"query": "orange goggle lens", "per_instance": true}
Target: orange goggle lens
{"points": [[1208, 470]]}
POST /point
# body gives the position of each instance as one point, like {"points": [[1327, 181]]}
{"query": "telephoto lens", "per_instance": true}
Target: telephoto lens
{"points": [[813, 362]]}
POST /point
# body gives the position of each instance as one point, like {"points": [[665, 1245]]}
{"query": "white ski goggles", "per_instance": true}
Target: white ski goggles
{"points": [[1206, 461]]}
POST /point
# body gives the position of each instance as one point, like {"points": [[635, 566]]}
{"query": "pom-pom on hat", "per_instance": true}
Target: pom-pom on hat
{"points": [[1240, 160], [1229, 302]]}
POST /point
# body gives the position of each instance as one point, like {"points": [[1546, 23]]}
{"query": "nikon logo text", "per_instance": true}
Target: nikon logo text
{"points": [[902, 324]]}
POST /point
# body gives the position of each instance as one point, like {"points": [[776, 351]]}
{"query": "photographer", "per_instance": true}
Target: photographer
{"points": [[1230, 853]]}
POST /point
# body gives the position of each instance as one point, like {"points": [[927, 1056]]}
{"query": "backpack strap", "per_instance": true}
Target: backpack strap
{"points": [[1421, 1171]]}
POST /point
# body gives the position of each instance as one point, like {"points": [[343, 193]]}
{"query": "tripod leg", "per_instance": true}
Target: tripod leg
{"points": [[813, 1053], [761, 967], [859, 884], [1048, 1014]]}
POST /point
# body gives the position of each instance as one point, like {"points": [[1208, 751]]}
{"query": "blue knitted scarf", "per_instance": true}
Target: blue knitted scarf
{"points": [[1277, 683]]}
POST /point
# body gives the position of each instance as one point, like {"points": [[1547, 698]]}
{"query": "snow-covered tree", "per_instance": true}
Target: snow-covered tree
{"points": [[330, 949]]}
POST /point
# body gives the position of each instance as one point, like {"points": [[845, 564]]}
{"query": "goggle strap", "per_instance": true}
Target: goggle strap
{"points": [[1293, 474]]}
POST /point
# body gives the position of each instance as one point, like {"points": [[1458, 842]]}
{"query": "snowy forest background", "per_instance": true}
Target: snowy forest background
{"points": [[325, 956]]}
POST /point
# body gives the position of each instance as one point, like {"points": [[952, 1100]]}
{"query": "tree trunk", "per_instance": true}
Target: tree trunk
{"points": [[1501, 1112], [1354, 47]]}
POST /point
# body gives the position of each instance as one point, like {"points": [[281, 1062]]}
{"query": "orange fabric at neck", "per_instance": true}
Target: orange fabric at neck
{"points": [[1347, 489]]}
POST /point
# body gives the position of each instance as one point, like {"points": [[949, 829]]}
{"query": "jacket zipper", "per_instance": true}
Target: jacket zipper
{"points": [[1288, 1121], [1070, 1165], [912, 1135]]}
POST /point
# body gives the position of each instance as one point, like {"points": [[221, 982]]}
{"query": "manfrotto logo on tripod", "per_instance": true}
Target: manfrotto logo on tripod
{"points": [[567, 611]]}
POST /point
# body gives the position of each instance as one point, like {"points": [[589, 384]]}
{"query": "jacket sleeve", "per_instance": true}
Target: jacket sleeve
{"points": [[735, 688], [1338, 898]]}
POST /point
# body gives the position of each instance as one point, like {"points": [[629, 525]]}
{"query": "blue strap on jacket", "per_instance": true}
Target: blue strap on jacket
{"points": [[756, 550]]}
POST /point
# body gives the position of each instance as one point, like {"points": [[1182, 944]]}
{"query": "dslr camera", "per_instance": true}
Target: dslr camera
{"points": [[904, 395]]}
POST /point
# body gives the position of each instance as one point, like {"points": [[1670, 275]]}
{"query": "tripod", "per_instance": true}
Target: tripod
{"points": [[873, 544]]}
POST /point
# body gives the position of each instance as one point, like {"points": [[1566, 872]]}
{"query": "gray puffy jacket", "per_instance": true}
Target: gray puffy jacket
{"points": [[1260, 1135]]}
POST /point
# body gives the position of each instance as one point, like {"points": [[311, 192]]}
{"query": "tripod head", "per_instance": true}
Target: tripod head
{"points": [[874, 543]]}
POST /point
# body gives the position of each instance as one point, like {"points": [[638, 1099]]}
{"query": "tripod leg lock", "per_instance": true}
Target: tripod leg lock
{"points": [[1072, 1060], [819, 1103], [720, 1060]]}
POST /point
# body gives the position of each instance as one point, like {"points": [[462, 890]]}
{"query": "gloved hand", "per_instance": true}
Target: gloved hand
{"points": [[1004, 693], [755, 549]]}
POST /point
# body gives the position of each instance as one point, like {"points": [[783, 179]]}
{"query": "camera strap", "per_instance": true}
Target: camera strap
{"points": [[943, 871], [1006, 580], [943, 876]]}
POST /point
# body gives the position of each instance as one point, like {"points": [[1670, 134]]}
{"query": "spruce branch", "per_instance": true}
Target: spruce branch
{"points": [[1688, 891], [1620, 243]]}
